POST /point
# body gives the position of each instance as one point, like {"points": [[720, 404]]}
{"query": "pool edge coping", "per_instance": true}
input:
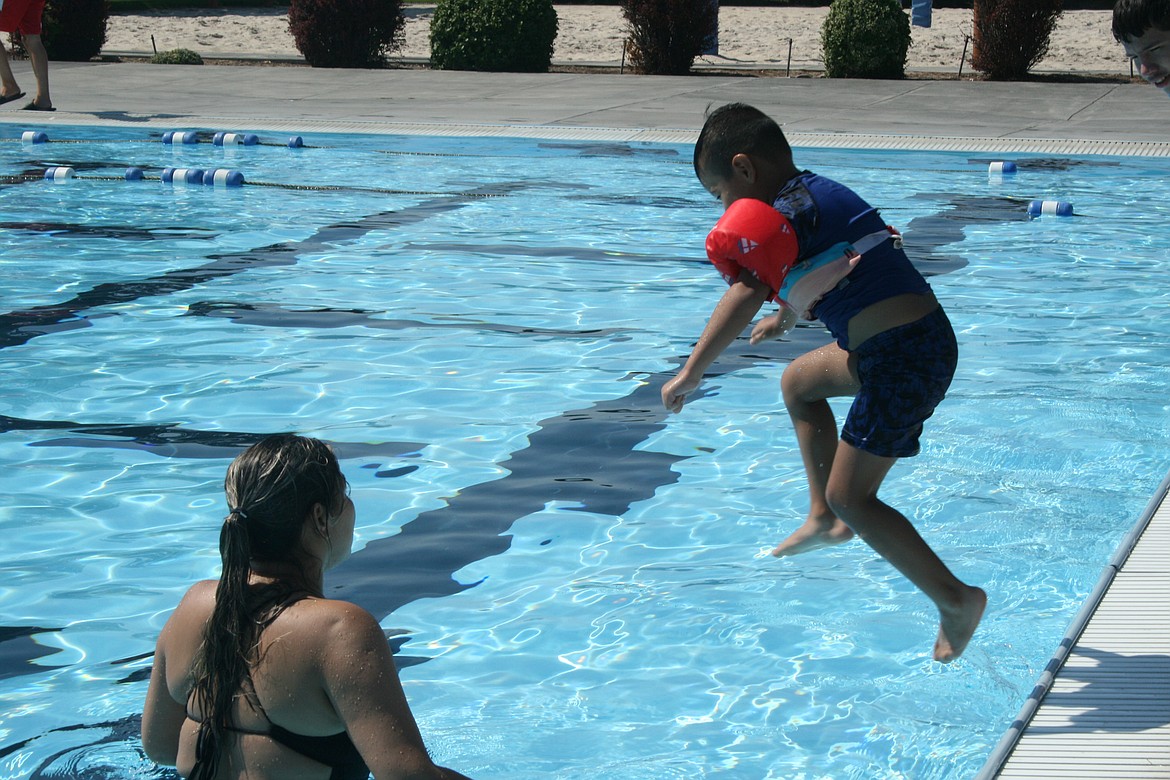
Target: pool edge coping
{"points": [[893, 142]]}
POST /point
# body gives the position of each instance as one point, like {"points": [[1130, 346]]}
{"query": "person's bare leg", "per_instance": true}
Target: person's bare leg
{"points": [[8, 85], [852, 495], [40, 67], [807, 383]]}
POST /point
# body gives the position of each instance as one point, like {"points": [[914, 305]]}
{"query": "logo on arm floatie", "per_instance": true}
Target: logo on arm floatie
{"points": [[747, 245]]}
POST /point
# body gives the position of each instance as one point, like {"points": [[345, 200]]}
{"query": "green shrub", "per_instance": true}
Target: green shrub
{"points": [[667, 35], [493, 35], [346, 33], [1011, 36], [865, 39], [177, 57], [74, 30]]}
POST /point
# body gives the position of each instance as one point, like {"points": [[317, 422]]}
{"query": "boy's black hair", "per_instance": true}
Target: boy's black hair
{"points": [[1133, 18], [738, 128]]}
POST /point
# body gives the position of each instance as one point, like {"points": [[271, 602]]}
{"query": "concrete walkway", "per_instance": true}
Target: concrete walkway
{"points": [[278, 98]]}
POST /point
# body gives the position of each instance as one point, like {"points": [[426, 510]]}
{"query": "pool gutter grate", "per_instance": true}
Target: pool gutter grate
{"points": [[667, 136]]}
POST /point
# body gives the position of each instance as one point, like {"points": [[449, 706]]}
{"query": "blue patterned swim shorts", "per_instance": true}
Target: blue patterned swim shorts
{"points": [[904, 373]]}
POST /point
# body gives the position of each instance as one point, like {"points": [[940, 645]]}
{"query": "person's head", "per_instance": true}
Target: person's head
{"points": [[742, 153], [282, 492], [1142, 27]]}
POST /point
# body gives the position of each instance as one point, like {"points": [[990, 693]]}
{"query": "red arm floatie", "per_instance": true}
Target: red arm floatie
{"points": [[753, 236]]}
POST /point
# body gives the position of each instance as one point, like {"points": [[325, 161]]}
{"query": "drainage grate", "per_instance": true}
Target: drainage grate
{"points": [[667, 136]]}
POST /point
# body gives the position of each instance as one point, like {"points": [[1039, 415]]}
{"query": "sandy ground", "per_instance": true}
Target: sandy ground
{"points": [[1082, 42]]}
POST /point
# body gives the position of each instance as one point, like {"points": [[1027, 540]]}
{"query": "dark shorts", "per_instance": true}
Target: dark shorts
{"points": [[904, 373], [22, 16]]}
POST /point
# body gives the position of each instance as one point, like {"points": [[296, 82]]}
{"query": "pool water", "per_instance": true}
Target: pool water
{"points": [[573, 579]]}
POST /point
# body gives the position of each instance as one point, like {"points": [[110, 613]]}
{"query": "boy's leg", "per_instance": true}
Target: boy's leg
{"points": [[852, 495], [807, 383]]}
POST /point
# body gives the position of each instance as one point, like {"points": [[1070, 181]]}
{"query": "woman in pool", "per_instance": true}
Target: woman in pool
{"points": [[259, 674]]}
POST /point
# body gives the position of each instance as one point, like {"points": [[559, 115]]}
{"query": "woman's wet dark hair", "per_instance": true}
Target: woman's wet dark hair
{"points": [[271, 488], [1133, 18], [733, 129]]}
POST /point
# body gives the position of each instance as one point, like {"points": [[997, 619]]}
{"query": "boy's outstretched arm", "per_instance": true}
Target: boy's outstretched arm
{"points": [[734, 312]]}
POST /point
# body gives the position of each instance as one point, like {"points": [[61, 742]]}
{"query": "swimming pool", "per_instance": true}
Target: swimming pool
{"points": [[572, 577]]}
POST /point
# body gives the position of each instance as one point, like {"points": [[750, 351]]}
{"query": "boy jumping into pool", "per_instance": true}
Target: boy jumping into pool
{"points": [[822, 252], [1142, 27]]}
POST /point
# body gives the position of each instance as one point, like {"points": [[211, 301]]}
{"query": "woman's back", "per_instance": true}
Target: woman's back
{"points": [[257, 674], [289, 718]]}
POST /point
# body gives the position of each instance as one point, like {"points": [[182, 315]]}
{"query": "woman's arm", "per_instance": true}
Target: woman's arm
{"points": [[162, 716], [362, 681]]}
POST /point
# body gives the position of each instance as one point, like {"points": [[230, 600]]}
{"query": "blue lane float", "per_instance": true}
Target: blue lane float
{"points": [[1003, 168], [229, 138], [59, 173], [182, 175], [223, 177], [1055, 208], [233, 139], [211, 177], [180, 137]]}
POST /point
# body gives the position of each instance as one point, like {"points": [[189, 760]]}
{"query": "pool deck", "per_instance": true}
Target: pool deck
{"points": [[1080, 118], [1102, 707]]}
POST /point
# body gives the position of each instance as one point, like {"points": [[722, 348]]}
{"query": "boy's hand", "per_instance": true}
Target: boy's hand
{"points": [[675, 392], [774, 326], [734, 312]]}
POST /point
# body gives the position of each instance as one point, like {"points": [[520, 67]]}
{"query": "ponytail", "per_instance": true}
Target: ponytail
{"points": [[271, 488], [229, 644]]}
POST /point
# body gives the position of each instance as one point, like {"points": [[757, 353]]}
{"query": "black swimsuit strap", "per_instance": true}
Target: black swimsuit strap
{"points": [[335, 751]]}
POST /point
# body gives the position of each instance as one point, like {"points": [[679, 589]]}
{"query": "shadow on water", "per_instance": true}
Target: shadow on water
{"points": [[19, 327], [171, 441], [275, 316], [72, 230]]}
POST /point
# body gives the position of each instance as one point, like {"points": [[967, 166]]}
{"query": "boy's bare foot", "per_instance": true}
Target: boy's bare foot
{"points": [[957, 626], [813, 535]]}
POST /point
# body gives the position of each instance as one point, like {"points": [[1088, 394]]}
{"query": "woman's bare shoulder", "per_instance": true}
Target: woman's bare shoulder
{"points": [[328, 626], [323, 637], [334, 614], [193, 611], [200, 597]]}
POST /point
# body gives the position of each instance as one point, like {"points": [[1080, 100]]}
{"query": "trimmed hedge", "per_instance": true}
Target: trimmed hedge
{"points": [[514, 36], [177, 57], [74, 30], [346, 33], [1011, 36], [666, 35], [865, 39]]}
